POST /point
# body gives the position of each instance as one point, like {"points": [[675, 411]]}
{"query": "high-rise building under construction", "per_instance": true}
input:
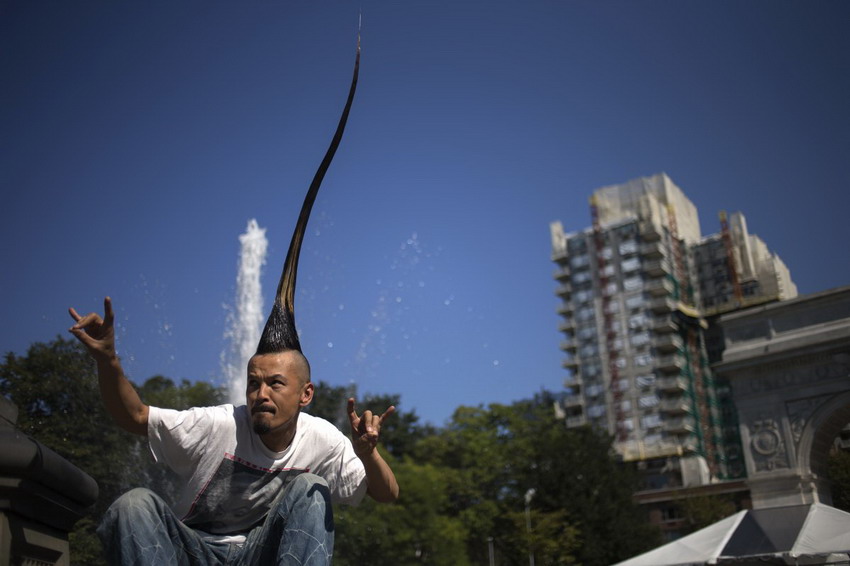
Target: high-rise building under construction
{"points": [[638, 289]]}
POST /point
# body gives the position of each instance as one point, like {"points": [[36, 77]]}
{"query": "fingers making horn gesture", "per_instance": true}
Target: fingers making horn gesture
{"points": [[96, 334], [366, 429]]}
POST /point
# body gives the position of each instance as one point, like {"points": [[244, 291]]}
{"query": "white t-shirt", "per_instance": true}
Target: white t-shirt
{"points": [[232, 478]]}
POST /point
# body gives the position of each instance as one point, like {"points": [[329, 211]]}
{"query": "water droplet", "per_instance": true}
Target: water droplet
{"points": [[330, 344], [495, 362], [398, 299]]}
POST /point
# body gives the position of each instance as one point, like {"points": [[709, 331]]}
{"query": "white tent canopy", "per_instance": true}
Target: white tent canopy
{"points": [[799, 534]]}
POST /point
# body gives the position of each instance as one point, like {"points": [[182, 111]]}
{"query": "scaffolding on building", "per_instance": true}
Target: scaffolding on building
{"points": [[612, 350]]}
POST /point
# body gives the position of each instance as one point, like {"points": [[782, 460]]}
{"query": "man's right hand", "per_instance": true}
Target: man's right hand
{"points": [[119, 396], [97, 334]]}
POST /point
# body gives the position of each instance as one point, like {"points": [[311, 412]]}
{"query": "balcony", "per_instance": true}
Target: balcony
{"points": [[652, 250], [559, 254], [672, 384], [663, 323], [576, 421], [661, 305], [680, 425], [567, 325], [573, 401], [657, 267], [570, 363], [565, 309], [572, 380], [568, 346], [649, 231], [674, 406], [668, 343], [673, 362], [563, 272], [564, 290], [659, 287]]}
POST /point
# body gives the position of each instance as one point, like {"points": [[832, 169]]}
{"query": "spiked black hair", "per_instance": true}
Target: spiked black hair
{"points": [[280, 334]]}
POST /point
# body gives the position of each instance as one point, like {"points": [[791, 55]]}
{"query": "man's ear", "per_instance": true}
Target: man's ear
{"points": [[306, 394]]}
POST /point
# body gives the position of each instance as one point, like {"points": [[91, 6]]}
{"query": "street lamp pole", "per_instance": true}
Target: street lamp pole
{"points": [[528, 495]]}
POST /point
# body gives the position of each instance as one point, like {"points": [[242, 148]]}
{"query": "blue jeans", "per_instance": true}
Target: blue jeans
{"points": [[140, 529]]}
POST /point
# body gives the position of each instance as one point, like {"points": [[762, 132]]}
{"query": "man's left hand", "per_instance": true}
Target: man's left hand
{"points": [[366, 429]]}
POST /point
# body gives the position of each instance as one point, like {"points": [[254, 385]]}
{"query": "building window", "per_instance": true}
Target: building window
{"points": [[588, 351], [628, 247], [630, 265], [595, 411], [640, 339], [585, 314], [579, 260], [593, 390], [637, 321], [632, 284], [583, 296]]}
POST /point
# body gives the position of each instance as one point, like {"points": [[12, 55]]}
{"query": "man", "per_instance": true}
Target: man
{"points": [[259, 479]]}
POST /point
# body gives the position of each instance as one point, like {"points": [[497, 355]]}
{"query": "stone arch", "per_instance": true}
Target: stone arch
{"points": [[818, 436]]}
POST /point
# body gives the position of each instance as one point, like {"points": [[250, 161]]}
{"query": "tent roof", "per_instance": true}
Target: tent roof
{"points": [[798, 530]]}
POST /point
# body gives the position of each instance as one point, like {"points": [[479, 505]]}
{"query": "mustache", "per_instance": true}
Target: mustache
{"points": [[262, 409]]}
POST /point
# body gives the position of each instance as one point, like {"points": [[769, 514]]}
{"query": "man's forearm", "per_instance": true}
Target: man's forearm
{"points": [[120, 398], [382, 485]]}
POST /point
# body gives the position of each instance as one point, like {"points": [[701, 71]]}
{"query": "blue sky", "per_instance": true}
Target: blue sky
{"points": [[138, 139]]}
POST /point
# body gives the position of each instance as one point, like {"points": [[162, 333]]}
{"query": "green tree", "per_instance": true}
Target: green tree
{"points": [[415, 530], [582, 508], [400, 433], [701, 511], [839, 476], [330, 402], [56, 390], [576, 470], [159, 391], [477, 474]]}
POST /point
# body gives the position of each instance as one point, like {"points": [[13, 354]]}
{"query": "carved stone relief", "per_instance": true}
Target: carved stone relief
{"points": [[766, 444]]}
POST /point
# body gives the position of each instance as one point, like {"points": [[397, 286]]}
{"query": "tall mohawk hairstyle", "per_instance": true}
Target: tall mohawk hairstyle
{"points": [[279, 334]]}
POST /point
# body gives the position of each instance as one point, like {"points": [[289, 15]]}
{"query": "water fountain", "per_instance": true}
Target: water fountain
{"points": [[245, 320]]}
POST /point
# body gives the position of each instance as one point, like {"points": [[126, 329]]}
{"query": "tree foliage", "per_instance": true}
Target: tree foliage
{"points": [[839, 477], [55, 388], [56, 391], [579, 497], [700, 511]]}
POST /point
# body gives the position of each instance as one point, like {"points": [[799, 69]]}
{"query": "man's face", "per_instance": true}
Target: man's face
{"points": [[277, 389]]}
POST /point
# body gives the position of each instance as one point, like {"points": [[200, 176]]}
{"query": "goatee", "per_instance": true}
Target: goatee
{"points": [[261, 428]]}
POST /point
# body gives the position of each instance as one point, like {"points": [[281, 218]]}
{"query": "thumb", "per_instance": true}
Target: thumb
{"points": [[83, 337]]}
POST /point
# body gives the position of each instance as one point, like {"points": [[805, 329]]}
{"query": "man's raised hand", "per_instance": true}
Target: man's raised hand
{"points": [[97, 334], [366, 428]]}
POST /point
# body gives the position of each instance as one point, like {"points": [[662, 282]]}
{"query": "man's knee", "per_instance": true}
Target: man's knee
{"points": [[306, 492], [135, 500], [309, 485]]}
